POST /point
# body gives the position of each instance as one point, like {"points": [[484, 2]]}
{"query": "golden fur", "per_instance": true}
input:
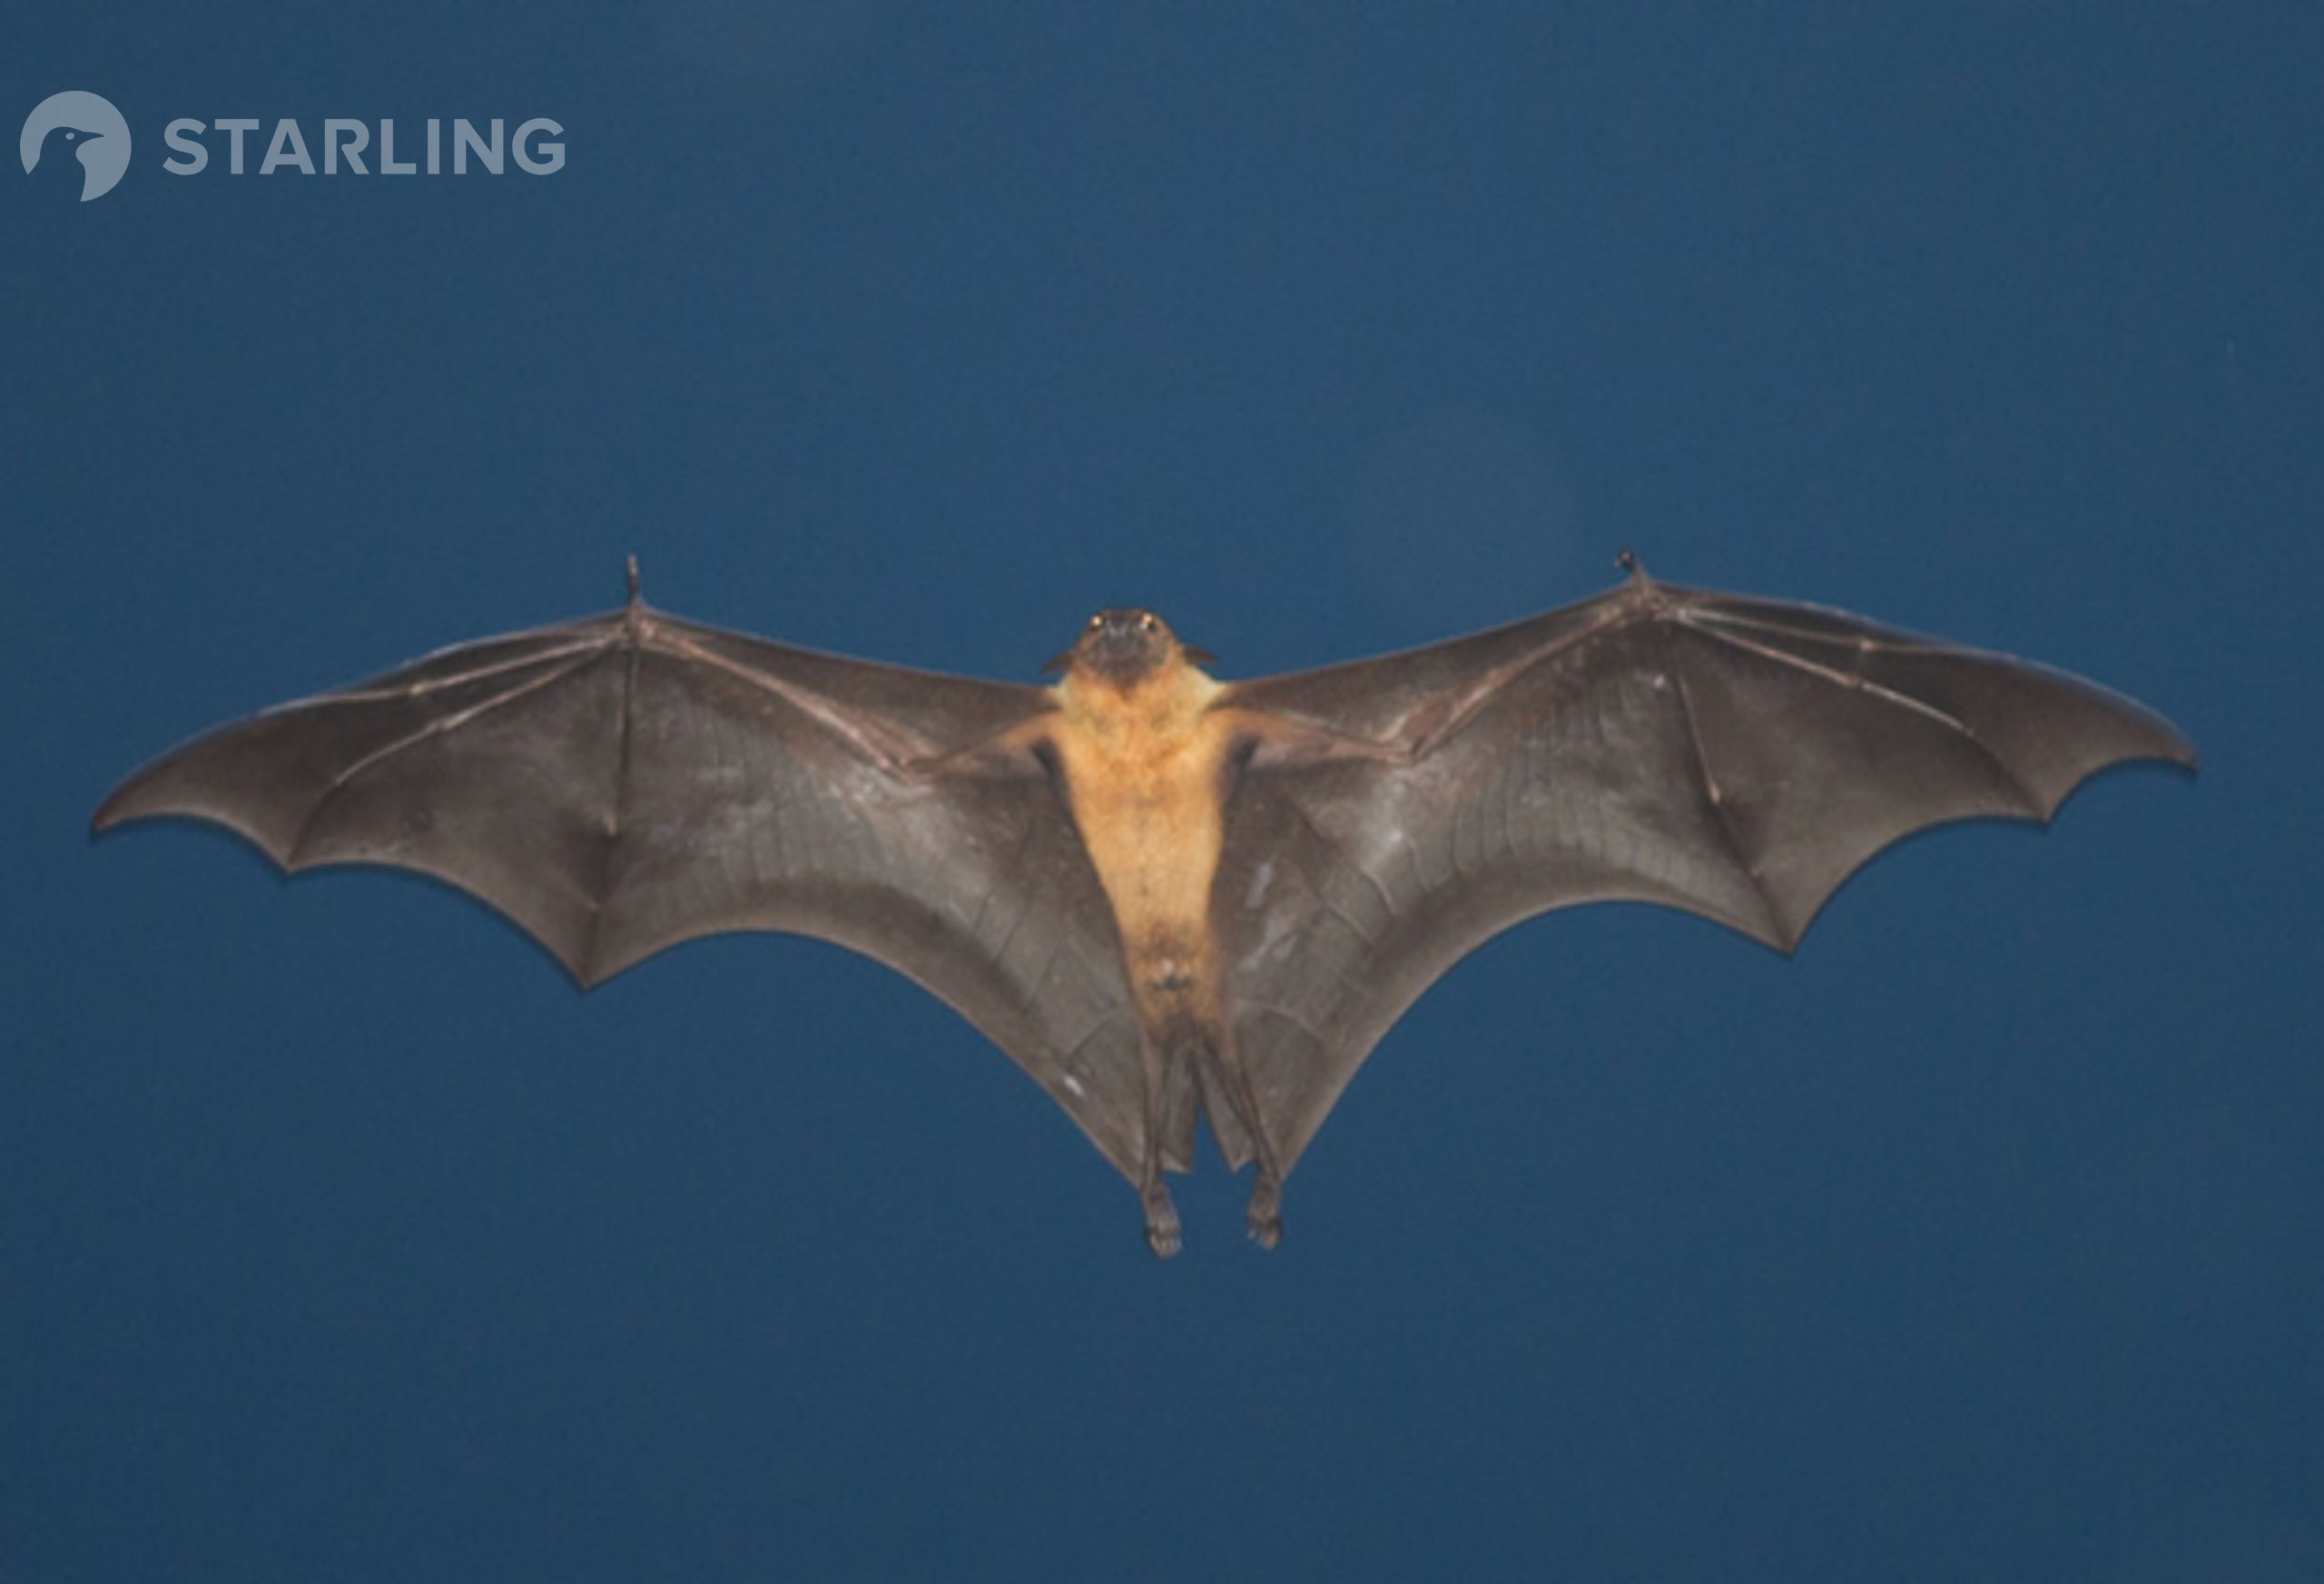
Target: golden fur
{"points": [[1143, 763]]}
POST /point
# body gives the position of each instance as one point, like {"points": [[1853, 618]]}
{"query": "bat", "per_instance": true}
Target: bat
{"points": [[1167, 897]]}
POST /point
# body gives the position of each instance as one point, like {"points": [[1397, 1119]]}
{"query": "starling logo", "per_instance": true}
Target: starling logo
{"points": [[76, 125], [344, 141], [65, 127]]}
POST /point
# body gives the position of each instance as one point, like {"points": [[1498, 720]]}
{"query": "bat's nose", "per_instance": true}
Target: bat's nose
{"points": [[1123, 631], [1124, 642]]}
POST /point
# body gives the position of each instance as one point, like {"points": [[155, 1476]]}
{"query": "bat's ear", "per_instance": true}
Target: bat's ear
{"points": [[1057, 662], [1197, 655]]}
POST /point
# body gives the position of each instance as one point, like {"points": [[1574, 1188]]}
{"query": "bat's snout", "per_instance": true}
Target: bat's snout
{"points": [[1124, 645], [1126, 631]]}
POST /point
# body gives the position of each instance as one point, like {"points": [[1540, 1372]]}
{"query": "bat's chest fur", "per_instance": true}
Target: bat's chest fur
{"points": [[1143, 772]]}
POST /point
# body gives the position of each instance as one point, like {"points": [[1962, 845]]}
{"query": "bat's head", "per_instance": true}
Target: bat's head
{"points": [[1123, 647]]}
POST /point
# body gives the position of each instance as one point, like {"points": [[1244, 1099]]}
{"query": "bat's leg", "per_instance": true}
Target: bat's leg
{"points": [[1161, 1216], [1266, 1213], [1264, 1216]]}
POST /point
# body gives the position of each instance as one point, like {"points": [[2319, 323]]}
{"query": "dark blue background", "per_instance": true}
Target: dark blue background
{"points": [[339, 1239]]}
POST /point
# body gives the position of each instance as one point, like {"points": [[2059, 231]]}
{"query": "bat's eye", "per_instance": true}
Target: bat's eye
{"points": [[1096, 623], [1146, 623]]}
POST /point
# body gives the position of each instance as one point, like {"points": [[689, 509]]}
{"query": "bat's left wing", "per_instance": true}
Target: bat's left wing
{"points": [[1738, 758], [618, 784]]}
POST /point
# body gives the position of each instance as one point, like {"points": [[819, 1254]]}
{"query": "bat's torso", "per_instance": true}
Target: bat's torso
{"points": [[1144, 771], [1141, 744]]}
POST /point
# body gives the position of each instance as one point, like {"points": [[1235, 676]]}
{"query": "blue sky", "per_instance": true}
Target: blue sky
{"points": [[340, 1237]]}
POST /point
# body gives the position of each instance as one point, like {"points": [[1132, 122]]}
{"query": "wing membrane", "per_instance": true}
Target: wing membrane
{"points": [[619, 784], [1737, 758]]}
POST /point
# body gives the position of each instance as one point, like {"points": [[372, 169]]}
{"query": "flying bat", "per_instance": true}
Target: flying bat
{"points": [[1165, 896]]}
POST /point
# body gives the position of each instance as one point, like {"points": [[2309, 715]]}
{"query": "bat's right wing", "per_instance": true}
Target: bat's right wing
{"points": [[1738, 758], [618, 784]]}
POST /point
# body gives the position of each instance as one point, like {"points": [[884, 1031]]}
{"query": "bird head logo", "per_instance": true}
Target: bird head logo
{"points": [[81, 126]]}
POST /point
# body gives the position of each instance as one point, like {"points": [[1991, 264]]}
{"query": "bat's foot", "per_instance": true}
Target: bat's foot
{"points": [[1161, 1220], [1265, 1214]]}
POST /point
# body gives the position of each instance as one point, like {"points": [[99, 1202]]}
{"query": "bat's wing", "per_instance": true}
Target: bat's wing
{"points": [[1738, 758], [618, 784]]}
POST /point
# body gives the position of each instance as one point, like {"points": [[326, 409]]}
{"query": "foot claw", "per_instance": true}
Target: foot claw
{"points": [[1265, 1214], [1161, 1222]]}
